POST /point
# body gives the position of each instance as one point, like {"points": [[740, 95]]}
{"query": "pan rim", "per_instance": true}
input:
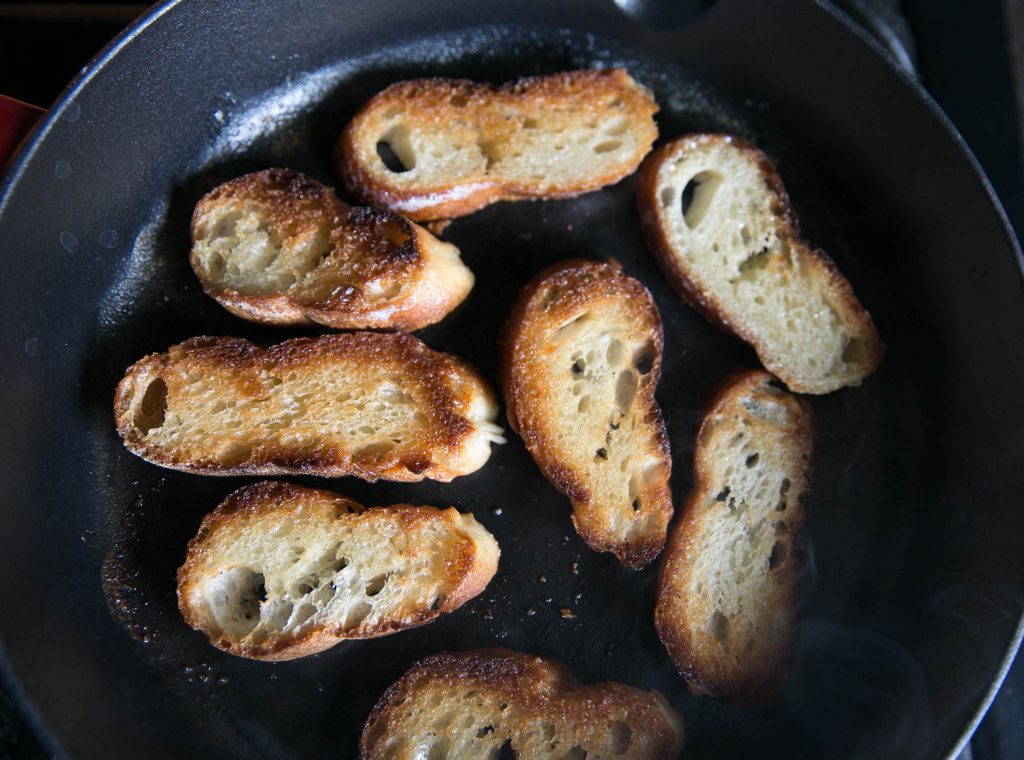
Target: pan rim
{"points": [[935, 110], [19, 162]]}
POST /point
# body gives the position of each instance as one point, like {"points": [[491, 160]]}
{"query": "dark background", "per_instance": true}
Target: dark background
{"points": [[968, 55]]}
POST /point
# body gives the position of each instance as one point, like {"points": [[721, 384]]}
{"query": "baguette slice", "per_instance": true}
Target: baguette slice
{"points": [[496, 703], [278, 571], [458, 145], [736, 255], [278, 247], [728, 589], [581, 356], [373, 405]]}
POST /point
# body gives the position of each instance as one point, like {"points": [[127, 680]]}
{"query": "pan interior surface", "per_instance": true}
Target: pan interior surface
{"points": [[901, 624]]}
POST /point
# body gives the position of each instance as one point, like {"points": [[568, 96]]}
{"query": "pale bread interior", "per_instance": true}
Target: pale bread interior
{"points": [[309, 562], [508, 140], [753, 462], [239, 247], [729, 582], [462, 712], [761, 278], [598, 361], [434, 148]]}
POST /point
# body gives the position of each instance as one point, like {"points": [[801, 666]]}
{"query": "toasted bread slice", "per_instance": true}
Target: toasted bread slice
{"points": [[728, 589], [373, 405], [278, 571], [717, 217], [278, 247], [581, 356], [496, 703], [456, 146]]}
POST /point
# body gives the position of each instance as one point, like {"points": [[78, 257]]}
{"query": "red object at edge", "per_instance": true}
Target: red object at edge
{"points": [[16, 119]]}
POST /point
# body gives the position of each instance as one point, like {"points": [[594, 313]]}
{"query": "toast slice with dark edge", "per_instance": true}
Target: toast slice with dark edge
{"points": [[496, 703], [279, 248], [580, 359], [372, 405], [718, 219], [443, 148], [727, 594], [278, 571]]}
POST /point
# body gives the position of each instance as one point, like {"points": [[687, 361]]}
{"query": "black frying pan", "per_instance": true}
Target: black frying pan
{"points": [[913, 585]]}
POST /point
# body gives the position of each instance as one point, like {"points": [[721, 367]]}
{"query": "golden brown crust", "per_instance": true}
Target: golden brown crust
{"points": [[540, 690], [447, 390], [658, 237], [678, 613], [470, 567], [557, 295], [494, 109], [374, 265]]}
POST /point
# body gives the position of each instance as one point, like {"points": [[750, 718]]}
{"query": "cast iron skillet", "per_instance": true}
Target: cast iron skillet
{"points": [[912, 587]]}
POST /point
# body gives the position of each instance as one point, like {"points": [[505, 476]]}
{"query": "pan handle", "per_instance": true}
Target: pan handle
{"points": [[16, 120]]}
